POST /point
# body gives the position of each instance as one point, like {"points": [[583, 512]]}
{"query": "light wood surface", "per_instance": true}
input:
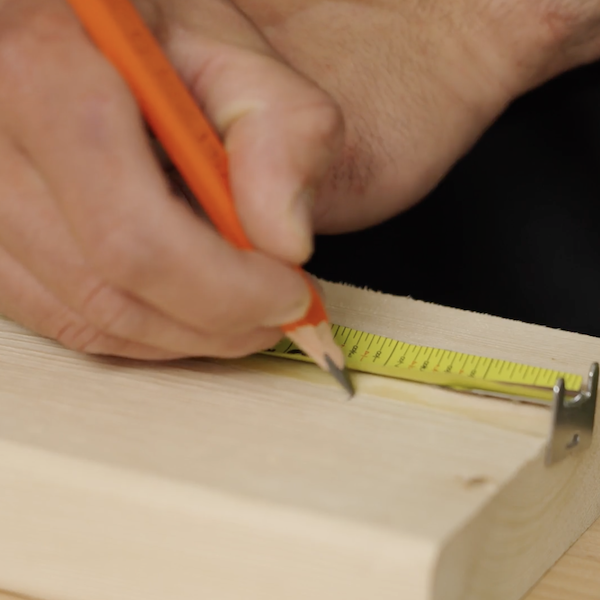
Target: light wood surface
{"points": [[576, 576], [255, 479]]}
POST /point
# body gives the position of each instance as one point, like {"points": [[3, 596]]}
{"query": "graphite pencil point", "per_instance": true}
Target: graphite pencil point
{"points": [[341, 375]]}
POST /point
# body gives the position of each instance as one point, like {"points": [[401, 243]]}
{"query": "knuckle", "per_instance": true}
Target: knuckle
{"points": [[107, 309], [325, 121], [328, 119], [560, 23], [563, 26], [76, 334]]}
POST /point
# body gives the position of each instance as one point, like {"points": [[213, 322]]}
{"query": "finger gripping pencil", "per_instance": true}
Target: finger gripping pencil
{"points": [[193, 146]]}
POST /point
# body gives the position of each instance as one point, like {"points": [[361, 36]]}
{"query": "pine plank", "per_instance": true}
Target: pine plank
{"points": [[255, 478]]}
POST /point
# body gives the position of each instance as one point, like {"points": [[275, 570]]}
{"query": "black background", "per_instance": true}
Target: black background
{"points": [[513, 230]]}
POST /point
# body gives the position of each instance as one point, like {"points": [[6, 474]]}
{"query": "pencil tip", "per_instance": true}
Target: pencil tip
{"points": [[341, 375]]}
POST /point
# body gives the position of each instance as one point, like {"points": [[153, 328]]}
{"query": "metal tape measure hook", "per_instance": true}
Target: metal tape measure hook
{"points": [[572, 419]]}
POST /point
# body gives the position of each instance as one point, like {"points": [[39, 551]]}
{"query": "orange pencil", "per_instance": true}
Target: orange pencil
{"points": [[187, 137]]}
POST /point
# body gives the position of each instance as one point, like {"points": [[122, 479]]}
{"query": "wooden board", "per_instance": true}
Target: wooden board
{"points": [[576, 576], [255, 479]]}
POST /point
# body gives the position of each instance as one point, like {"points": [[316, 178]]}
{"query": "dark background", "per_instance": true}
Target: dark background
{"points": [[513, 230]]}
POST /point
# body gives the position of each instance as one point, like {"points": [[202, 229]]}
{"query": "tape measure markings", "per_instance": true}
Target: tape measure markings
{"points": [[379, 355]]}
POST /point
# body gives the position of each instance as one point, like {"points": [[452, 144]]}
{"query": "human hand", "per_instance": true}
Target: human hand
{"points": [[94, 250], [418, 82]]}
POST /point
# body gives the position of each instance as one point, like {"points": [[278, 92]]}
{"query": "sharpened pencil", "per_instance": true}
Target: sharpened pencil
{"points": [[193, 146]]}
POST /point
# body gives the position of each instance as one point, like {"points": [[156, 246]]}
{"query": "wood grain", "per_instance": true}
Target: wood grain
{"points": [[577, 575], [255, 479]]}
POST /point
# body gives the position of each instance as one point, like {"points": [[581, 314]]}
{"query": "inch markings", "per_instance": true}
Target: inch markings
{"points": [[379, 355]]}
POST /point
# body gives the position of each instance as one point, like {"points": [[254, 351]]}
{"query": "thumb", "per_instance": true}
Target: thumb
{"points": [[281, 133]]}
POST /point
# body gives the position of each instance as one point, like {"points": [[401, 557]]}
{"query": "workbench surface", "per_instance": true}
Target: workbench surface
{"points": [[577, 575]]}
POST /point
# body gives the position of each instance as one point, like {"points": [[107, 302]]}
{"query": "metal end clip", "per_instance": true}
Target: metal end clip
{"points": [[572, 419]]}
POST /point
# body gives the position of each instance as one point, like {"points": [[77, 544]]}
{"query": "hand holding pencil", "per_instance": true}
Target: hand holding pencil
{"points": [[194, 148], [95, 252]]}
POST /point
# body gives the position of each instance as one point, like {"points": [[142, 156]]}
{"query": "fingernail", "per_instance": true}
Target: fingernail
{"points": [[302, 221], [291, 313]]}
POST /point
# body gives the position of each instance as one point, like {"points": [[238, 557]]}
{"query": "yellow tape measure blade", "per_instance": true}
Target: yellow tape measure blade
{"points": [[379, 355]]}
